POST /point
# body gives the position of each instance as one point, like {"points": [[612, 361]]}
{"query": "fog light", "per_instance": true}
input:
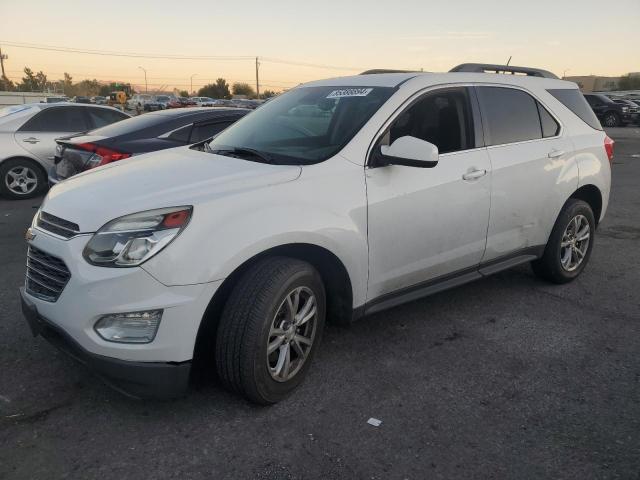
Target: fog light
{"points": [[133, 327]]}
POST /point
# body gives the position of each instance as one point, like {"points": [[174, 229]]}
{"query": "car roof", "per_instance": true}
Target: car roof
{"points": [[71, 104], [397, 79], [181, 112]]}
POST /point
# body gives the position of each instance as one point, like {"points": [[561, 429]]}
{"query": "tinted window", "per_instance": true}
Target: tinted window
{"points": [[204, 131], [101, 117], [550, 127], [181, 134], [509, 115], [442, 118], [58, 119], [575, 101]]}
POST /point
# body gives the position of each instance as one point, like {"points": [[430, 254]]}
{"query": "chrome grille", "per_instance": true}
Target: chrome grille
{"points": [[56, 225], [46, 275]]}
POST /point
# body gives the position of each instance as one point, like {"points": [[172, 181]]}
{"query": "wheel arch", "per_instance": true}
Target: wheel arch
{"points": [[593, 196], [336, 279]]}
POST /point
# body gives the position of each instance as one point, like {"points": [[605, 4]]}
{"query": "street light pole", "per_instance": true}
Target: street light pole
{"points": [[191, 92], [146, 86]]}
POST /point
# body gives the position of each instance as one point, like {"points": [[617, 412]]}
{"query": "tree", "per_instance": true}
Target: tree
{"points": [[184, 93], [628, 82], [243, 89], [268, 94], [6, 85], [67, 84], [220, 89]]}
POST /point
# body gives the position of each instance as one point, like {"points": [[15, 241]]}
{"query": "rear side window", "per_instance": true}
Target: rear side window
{"points": [[550, 127], [574, 101], [207, 130], [509, 115], [181, 134], [102, 116], [58, 119]]}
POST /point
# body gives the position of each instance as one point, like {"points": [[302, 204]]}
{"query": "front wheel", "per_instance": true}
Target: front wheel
{"points": [[570, 243], [270, 329], [611, 119]]}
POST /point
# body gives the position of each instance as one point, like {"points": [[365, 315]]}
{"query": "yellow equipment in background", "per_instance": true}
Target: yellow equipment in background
{"points": [[117, 99]]}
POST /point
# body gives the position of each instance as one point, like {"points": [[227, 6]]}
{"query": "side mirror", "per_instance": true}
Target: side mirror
{"points": [[407, 151]]}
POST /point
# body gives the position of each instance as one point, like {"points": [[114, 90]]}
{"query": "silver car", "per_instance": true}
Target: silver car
{"points": [[27, 140]]}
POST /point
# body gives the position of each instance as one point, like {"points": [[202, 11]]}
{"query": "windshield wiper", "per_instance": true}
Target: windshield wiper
{"points": [[242, 152]]}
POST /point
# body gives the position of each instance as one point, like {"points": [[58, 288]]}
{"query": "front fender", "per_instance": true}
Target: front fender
{"points": [[325, 207]]}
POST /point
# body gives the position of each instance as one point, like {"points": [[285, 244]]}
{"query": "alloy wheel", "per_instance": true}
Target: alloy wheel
{"points": [[575, 243], [21, 180], [291, 334]]}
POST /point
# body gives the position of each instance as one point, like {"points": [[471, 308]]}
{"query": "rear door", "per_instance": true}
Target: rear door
{"points": [[38, 134], [533, 170]]}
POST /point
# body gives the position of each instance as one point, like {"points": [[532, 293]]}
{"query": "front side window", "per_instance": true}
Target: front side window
{"points": [[58, 119], [443, 118], [509, 115], [303, 126]]}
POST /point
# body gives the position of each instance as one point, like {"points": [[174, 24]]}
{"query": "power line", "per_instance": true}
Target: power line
{"points": [[56, 48]]}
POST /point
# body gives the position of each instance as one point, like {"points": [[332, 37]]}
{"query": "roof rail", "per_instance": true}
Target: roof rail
{"points": [[384, 70], [489, 68]]}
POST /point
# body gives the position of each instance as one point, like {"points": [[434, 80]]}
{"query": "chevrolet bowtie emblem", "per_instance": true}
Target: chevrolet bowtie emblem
{"points": [[29, 235]]}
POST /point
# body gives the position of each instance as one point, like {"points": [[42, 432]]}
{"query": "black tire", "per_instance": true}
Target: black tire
{"points": [[550, 267], [244, 330], [611, 119], [35, 173]]}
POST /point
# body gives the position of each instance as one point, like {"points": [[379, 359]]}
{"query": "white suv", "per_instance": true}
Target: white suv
{"points": [[335, 200]]}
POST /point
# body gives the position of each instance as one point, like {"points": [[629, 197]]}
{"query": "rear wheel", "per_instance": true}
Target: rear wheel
{"points": [[570, 244], [611, 119], [21, 178], [270, 329]]}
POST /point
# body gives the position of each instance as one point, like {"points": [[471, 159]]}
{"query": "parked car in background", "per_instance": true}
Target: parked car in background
{"points": [[81, 99], [223, 102], [237, 250], [143, 102], [99, 100], [164, 101], [137, 135], [610, 113], [634, 108], [203, 101], [27, 140], [60, 99]]}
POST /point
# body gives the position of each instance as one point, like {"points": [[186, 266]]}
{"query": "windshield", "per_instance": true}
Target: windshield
{"points": [[305, 125]]}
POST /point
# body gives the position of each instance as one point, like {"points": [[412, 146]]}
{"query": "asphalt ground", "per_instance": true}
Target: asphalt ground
{"points": [[507, 377]]}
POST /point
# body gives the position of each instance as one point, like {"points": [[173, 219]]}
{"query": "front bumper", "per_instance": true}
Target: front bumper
{"points": [[136, 379]]}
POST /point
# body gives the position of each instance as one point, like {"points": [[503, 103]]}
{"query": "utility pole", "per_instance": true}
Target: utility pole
{"points": [[191, 91], [146, 86], [3, 57], [257, 79]]}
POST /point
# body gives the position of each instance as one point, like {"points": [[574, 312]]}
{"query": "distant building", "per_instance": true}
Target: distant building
{"points": [[595, 83]]}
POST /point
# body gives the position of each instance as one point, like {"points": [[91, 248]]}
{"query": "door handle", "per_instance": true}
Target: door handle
{"points": [[31, 140], [474, 174], [555, 153]]}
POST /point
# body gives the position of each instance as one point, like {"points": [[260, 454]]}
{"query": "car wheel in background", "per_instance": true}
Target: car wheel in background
{"points": [[611, 119], [570, 244], [21, 178], [270, 329]]}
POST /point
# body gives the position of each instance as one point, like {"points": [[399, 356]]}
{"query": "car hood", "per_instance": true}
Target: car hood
{"points": [[174, 177]]}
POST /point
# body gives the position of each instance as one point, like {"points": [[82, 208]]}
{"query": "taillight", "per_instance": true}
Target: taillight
{"points": [[608, 147], [101, 155]]}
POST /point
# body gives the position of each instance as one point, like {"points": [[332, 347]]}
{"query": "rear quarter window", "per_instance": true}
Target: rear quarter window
{"points": [[575, 101]]}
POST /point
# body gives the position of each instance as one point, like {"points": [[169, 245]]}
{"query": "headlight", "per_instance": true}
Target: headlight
{"points": [[133, 239], [625, 109]]}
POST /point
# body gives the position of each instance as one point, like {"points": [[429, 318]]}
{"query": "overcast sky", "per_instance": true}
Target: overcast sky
{"points": [[579, 37]]}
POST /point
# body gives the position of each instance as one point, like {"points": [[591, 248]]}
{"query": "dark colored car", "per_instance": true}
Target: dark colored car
{"points": [[186, 102], [610, 113], [634, 107], [144, 133], [80, 99]]}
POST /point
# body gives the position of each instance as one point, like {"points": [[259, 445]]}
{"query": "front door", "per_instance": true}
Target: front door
{"points": [[426, 223]]}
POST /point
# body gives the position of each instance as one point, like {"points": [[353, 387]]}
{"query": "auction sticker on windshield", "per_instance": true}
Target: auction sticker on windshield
{"points": [[350, 92]]}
